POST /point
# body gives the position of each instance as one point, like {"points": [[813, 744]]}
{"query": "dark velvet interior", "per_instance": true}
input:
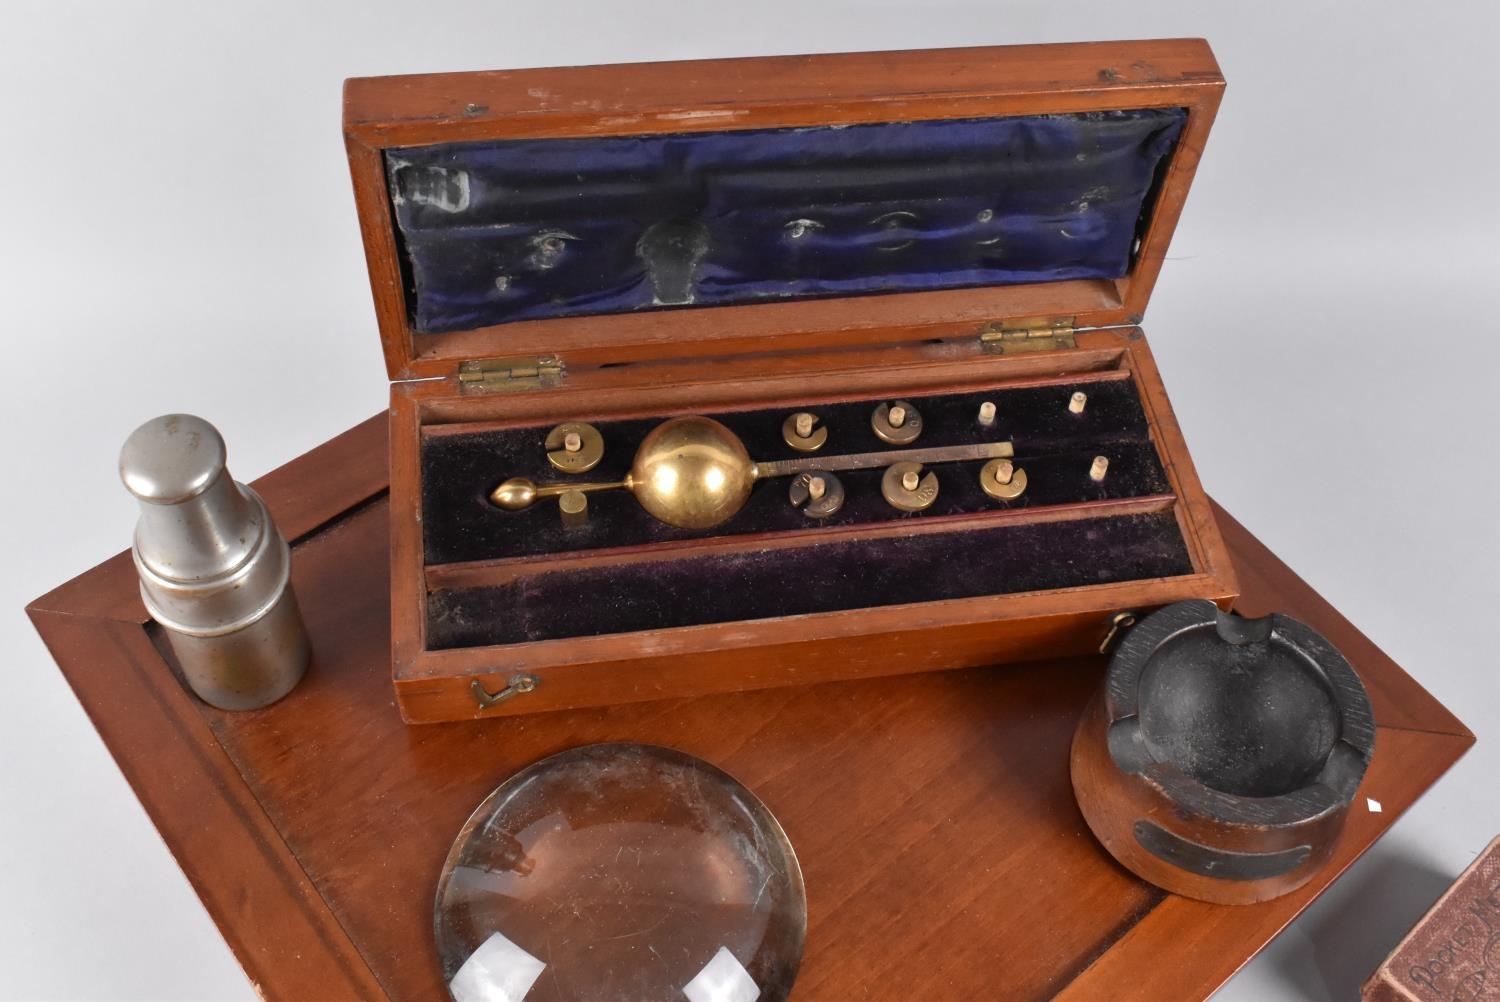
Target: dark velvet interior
{"points": [[1054, 446], [500, 231], [826, 577]]}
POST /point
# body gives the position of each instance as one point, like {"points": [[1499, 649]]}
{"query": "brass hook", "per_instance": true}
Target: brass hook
{"points": [[518, 685], [1121, 621]]}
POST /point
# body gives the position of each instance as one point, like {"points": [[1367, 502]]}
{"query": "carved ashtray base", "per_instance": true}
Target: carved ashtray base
{"points": [[1220, 757]]}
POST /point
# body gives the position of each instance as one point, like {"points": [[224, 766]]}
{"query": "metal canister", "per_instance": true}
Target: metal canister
{"points": [[215, 572]]}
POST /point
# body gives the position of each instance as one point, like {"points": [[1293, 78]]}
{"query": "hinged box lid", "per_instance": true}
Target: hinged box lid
{"points": [[606, 214]]}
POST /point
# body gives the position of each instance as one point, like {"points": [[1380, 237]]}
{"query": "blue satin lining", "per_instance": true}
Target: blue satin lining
{"points": [[500, 231]]}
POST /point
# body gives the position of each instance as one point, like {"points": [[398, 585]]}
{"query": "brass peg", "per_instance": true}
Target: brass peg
{"points": [[574, 447], [801, 432], [817, 493], [1099, 468], [1001, 480], [574, 506], [1077, 402], [905, 489], [897, 423], [987, 414]]}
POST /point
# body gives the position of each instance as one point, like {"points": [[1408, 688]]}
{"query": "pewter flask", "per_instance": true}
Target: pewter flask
{"points": [[215, 572]]}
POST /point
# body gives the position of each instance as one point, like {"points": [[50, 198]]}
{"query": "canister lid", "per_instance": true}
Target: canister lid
{"points": [[172, 458]]}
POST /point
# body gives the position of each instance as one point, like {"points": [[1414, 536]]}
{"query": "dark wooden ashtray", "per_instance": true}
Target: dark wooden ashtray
{"points": [[1220, 757]]}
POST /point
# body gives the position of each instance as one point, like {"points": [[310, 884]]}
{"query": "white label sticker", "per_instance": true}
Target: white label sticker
{"points": [[499, 971], [723, 979], [1373, 805]]}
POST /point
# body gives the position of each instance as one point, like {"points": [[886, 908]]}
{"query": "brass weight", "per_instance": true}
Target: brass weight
{"points": [[818, 493], [574, 506], [905, 489], [897, 423], [1002, 480], [694, 473], [574, 447], [802, 432]]}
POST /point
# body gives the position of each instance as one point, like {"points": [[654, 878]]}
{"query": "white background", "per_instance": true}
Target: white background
{"points": [[178, 234]]}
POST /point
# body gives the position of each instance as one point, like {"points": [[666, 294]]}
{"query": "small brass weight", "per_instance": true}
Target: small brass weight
{"points": [[574, 447], [694, 473], [1002, 480], [574, 506], [897, 423], [817, 492], [802, 432], [905, 489]]}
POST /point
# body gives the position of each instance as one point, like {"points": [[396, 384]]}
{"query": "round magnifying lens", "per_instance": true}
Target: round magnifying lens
{"points": [[621, 872]]}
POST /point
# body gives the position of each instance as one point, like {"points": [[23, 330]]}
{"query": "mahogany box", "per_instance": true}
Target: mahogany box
{"points": [[748, 238]]}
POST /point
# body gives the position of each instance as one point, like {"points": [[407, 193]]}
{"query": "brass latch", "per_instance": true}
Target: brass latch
{"points": [[1035, 335], [527, 373], [519, 685], [1118, 622]]}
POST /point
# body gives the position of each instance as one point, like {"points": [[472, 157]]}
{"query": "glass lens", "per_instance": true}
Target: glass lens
{"points": [[621, 873]]}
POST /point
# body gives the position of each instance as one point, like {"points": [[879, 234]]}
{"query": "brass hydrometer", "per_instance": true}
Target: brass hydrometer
{"points": [[694, 473]]}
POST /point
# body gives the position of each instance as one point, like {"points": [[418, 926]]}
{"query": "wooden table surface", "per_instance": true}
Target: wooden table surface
{"points": [[943, 853]]}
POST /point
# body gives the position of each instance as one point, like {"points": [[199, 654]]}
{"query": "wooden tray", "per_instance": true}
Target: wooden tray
{"points": [[943, 852]]}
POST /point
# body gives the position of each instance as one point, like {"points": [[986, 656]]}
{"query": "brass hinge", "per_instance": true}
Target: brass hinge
{"points": [[1032, 335], [529, 373]]}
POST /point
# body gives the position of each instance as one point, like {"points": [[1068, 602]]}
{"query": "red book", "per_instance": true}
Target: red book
{"points": [[1453, 953]]}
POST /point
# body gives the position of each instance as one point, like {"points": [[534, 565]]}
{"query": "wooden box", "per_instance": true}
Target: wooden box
{"points": [[748, 238]]}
